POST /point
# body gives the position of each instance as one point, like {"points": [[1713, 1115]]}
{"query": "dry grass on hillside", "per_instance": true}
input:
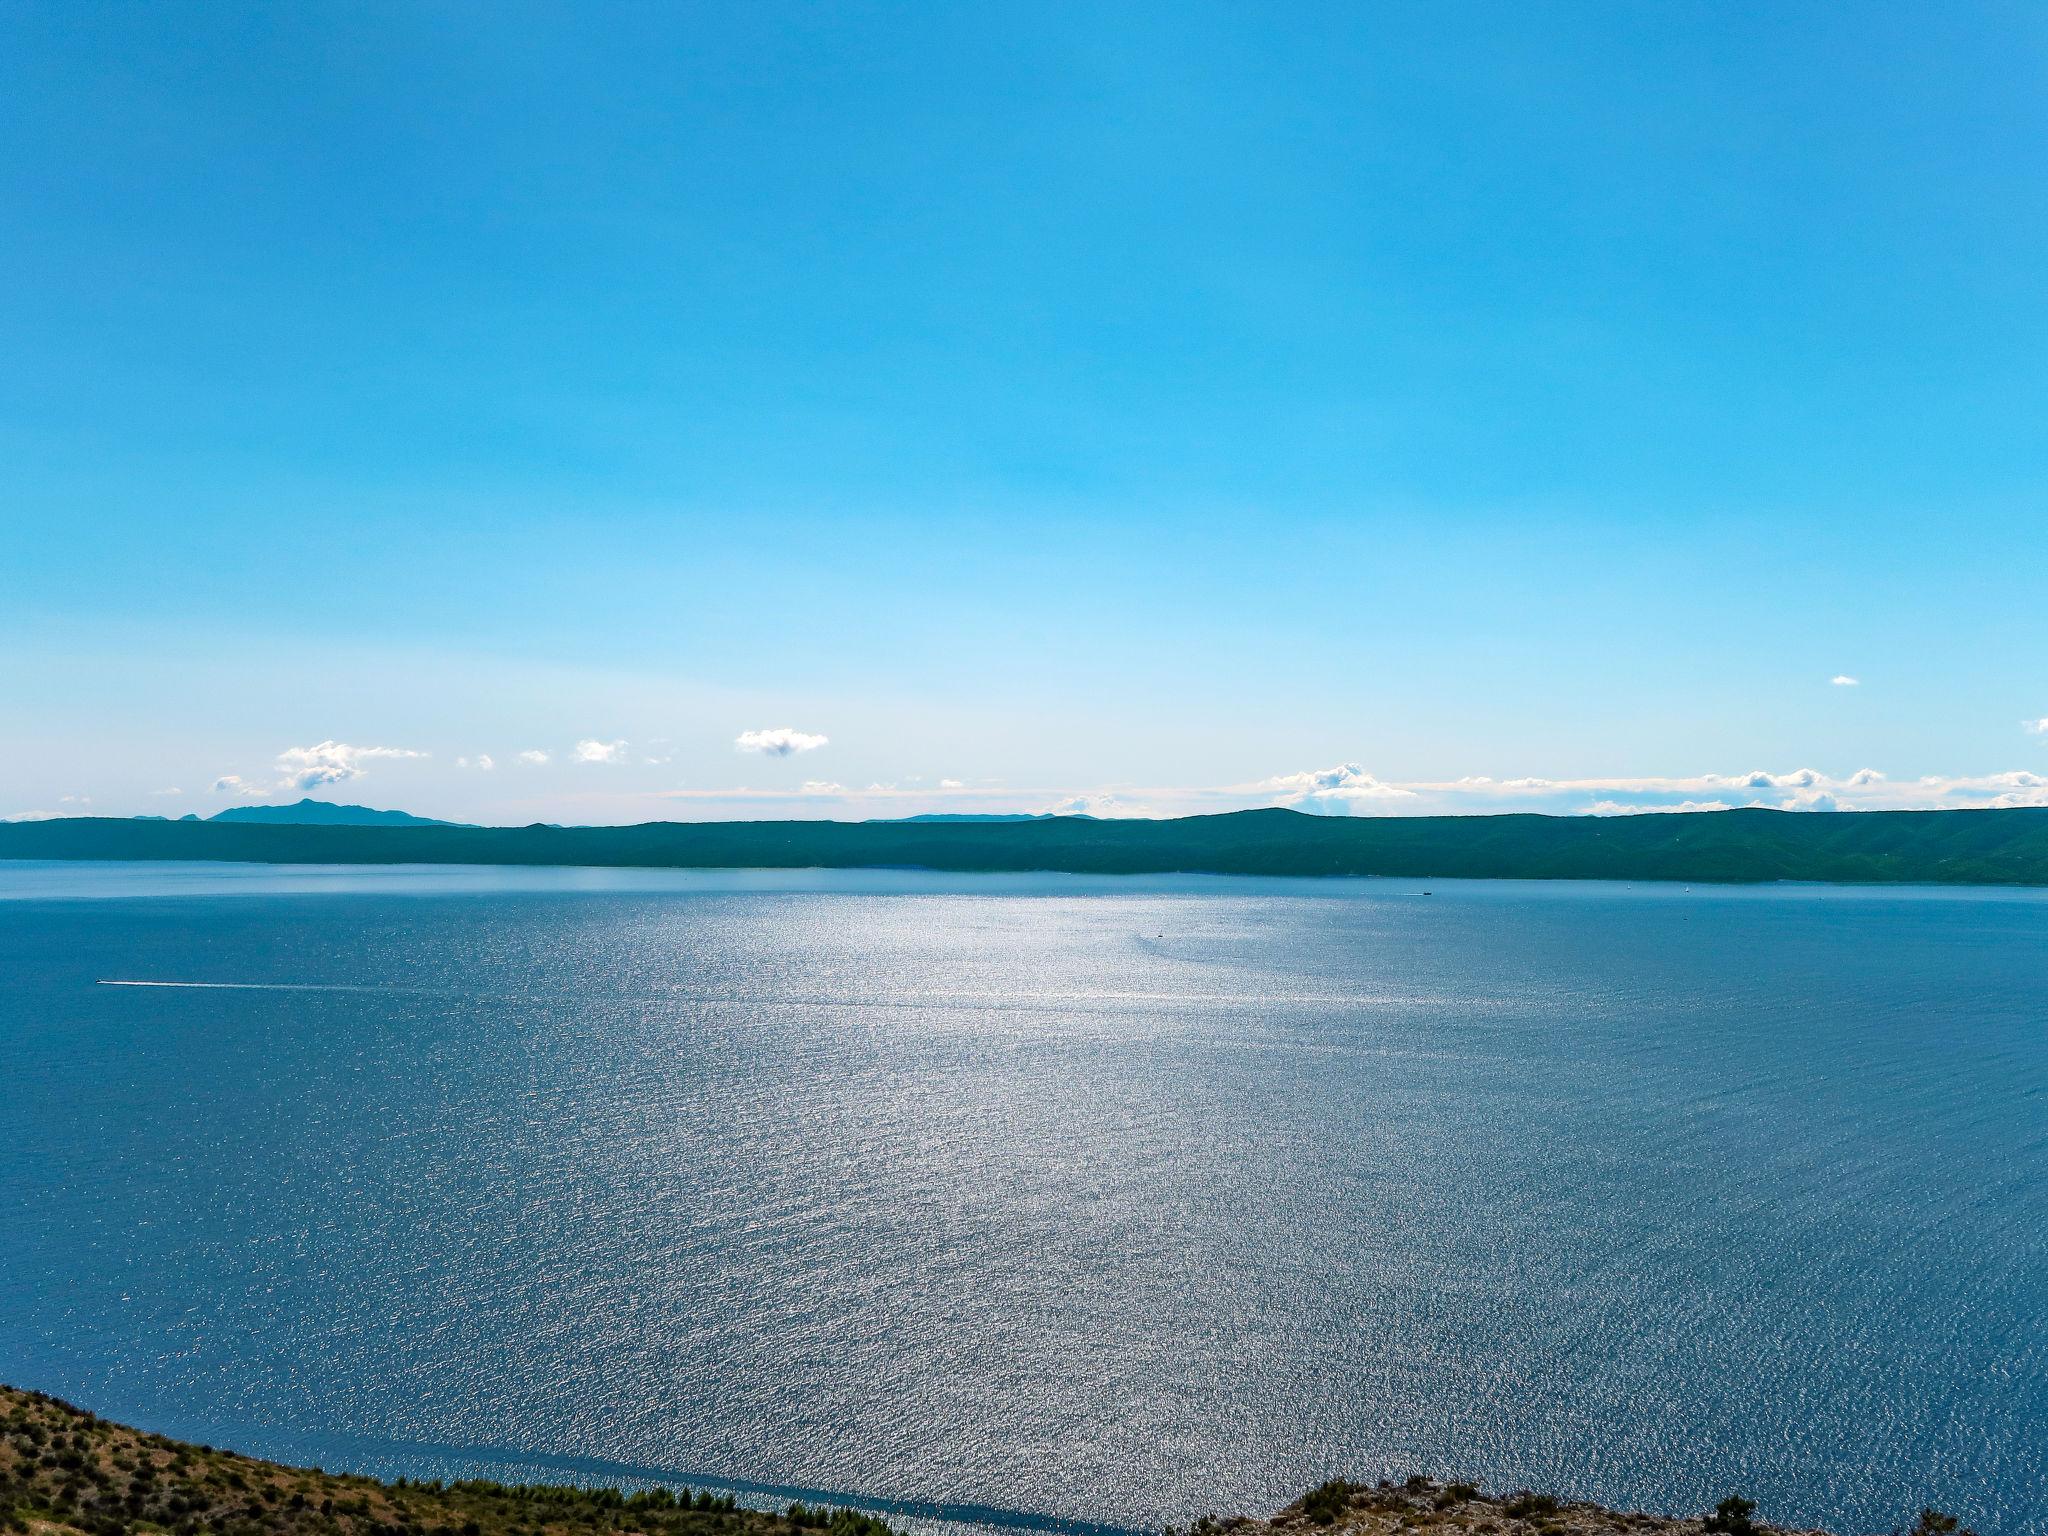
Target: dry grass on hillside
{"points": [[64, 1472]]}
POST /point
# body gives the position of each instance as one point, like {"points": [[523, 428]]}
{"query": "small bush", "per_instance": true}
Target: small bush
{"points": [[1526, 1504], [1731, 1517], [1328, 1500]]}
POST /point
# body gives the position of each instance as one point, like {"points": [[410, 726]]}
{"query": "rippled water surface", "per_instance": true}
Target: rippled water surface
{"points": [[1116, 1200]]}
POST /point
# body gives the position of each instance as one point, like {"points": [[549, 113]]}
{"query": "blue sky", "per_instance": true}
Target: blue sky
{"points": [[1138, 408]]}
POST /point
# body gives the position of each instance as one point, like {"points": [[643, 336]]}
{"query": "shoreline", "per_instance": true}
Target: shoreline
{"points": [[87, 878], [64, 1470]]}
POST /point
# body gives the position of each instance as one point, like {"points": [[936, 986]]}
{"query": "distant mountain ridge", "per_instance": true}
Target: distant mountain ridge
{"points": [[956, 816], [323, 813], [1996, 847]]}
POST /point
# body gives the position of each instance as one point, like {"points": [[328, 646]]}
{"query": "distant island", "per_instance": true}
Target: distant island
{"points": [[65, 1472], [1989, 847]]}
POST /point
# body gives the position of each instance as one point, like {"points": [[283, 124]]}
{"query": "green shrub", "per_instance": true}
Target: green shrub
{"points": [[1731, 1517], [1328, 1500]]}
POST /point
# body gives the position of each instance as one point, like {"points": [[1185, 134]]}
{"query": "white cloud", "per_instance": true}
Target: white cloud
{"points": [[330, 762], [74, 799], [1349, 789], [482, 760], [951, 784], [1103, 807], [1844, 680], [533, 755], [1334, 791], [600, 751], [174, 790], [1624, 808], [2038, 727], [303, 768], [1799, 778], [779, 742]]}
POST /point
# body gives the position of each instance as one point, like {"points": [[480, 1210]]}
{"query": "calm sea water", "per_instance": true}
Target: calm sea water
{"points": [[1113, 1200]]}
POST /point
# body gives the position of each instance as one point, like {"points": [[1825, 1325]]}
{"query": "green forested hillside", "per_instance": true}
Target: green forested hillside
{"points": [[1997, 847]]}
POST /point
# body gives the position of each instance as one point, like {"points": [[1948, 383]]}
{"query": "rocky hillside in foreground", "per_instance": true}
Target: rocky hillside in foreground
{"points": [[1421, 1505], [64, 1471]]}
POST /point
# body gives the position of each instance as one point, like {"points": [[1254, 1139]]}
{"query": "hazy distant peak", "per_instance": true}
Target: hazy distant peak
{"points": [[973, 816], [325, 813]]}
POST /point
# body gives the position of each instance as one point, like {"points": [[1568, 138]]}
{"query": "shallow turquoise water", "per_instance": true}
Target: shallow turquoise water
{"points": [[1107, 1199]]}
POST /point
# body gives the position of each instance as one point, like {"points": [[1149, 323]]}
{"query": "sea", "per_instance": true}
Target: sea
{"points": [[1079, 1204]]}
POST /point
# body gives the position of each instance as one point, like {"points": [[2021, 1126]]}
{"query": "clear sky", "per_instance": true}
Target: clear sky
{"points": [[1137, 407]]}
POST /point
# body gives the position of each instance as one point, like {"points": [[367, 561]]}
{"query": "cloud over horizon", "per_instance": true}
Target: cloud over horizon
{"points": [[1349, 790], [331, 762], [629, 788], [1344, 789], [1333, 791], [306, 768], [781, 741], [1101, 806]]}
